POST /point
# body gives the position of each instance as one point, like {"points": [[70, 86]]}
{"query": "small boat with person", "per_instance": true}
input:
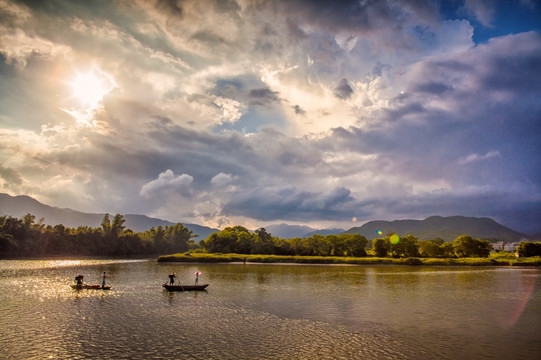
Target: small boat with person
{"points": [[80, 285], [89, 286], [179, 287]]}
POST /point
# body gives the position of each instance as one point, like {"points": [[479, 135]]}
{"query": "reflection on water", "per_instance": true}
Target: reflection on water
{"points": [[268, 312]]}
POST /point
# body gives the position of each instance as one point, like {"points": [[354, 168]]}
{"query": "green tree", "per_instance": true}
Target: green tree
{"points": [[8, 245], [235, 239], [409, 246], [117, 226], [529, 248], [179, 237], [353, 244], [108, 241], [466, 246], [429, 248], [106, 224], [58, 240], [404, 247], [264, 243], [381, 246], [283, 247], [448, 250], [317, 245]]}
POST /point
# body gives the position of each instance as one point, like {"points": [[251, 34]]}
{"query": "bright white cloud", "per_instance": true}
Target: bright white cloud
{"points": [[221, 180], [166, 182]]}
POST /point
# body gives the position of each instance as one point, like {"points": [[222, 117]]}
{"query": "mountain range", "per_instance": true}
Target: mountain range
{"points": [[286, 231], [446, 228]]}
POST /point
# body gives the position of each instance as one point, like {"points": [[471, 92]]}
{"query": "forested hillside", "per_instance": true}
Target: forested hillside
{"points": [[446, 228], [18, 206]]}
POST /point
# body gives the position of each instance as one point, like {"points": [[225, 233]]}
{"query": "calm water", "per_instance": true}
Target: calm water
{"points": [[269, 312]]}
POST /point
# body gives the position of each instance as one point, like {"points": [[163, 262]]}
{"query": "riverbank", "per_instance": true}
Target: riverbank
{"points": [[492, 260]]}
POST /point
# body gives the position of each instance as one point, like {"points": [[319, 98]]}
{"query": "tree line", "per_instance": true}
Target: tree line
{"points": [[241, 241], [25, 237]]}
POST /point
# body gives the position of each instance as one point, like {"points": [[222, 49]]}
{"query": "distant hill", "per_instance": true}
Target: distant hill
{"points": [[331, 231], [18, 206], [446, 228], [286, 231]]}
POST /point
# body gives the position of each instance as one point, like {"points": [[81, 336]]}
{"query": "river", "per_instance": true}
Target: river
{"points": [[257, 311]]}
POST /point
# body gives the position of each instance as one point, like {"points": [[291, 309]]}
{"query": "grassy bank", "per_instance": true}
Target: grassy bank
{"points": [[493, 260]]}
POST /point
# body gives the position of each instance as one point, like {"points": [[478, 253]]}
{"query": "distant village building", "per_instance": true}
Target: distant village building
{"points": [[503, 246]]}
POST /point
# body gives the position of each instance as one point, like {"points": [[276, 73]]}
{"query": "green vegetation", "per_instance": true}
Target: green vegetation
{"points": [[24, 237], [241, 241], [528, 248], [493, 260]]}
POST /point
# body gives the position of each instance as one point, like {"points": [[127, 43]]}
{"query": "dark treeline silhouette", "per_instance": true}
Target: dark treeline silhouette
{"points": [[25, 237]]}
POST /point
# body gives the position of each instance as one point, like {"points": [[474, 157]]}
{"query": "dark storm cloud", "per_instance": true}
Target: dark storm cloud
{"points": [[231, 88], [237, 89], [432, 88], [263, 97], [518, 72], [511, 63], [290, 203], [343, 90]]}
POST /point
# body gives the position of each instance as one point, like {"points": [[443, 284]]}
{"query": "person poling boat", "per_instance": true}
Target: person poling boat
{"points": [[79, 279], [179, 287]]}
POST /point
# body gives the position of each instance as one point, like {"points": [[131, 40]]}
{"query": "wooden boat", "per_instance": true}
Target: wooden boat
{"points": [[185, 287], [89, 286]]}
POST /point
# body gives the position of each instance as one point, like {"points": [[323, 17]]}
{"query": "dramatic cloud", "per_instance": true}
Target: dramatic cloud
{"points": [[243, 112], [343, 90], [167, 183]]}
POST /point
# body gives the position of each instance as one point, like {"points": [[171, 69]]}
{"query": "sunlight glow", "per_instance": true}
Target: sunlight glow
{"points": [[89, 88]]}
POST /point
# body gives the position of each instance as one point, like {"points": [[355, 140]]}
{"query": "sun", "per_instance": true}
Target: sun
{"points": [[89, 89]]}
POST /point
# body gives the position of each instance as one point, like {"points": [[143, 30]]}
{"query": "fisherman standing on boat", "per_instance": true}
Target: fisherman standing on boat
{"points": [[104, 276], [79, 279], [197, 273], [172, 278]]}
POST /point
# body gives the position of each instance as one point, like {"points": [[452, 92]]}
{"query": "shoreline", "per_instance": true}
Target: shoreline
{"points": [[335, 260]]}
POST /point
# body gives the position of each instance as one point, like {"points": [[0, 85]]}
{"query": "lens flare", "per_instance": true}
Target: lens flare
{"points": [[395, 239], [379, 232]]}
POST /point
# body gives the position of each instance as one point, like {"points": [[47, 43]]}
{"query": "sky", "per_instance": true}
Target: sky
{"points": [[320, 113]]}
